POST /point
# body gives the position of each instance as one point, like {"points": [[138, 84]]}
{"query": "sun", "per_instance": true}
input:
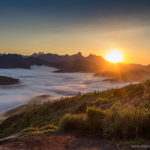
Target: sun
{"points": [[114, 56]]}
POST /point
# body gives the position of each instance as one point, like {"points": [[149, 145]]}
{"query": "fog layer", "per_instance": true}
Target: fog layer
{"points": [[41, 80]]}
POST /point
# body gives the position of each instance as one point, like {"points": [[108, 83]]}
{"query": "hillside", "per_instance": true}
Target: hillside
{"points": [[125, 75], [112, 114]]}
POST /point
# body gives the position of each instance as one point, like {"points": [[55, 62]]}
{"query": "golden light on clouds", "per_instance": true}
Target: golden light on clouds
{"points": [[114, 56]]}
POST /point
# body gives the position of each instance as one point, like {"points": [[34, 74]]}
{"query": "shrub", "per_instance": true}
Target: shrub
{"points": [[94, 120], [1, 120], [30, 129], [49, 126], [73, 122], [101, 101], [127, 123]]}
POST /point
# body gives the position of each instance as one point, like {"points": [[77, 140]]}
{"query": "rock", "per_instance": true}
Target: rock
{"points": [[8, 80]]}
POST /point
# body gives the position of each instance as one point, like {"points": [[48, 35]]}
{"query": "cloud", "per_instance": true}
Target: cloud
{"points": [[40, 80]]}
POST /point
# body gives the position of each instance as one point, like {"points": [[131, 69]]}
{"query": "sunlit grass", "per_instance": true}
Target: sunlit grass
{"points": [[115, 113]]}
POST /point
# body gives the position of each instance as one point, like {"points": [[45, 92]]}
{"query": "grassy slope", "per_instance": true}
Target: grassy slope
{"points": [[135, 96]]}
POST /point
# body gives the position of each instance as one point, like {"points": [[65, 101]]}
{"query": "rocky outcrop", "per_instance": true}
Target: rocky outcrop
{"points": [[8, 80]]}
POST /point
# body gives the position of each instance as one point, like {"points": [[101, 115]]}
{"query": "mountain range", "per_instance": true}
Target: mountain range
{"points": [[78, 63]]}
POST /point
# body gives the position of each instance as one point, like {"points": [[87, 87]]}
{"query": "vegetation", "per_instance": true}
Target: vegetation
{"points": [[114, 123], [115, 113], [94, 120], [36, 131], [73, 122]]}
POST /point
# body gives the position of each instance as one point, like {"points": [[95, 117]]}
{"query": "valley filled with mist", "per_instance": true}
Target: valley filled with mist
{"points": [[42, 80]]}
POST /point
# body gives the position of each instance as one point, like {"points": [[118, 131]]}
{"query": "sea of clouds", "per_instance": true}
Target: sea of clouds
{"points": [[41, 80]]}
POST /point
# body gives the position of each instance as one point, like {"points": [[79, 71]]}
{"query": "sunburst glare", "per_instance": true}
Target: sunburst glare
{"points": [[114, 56]]}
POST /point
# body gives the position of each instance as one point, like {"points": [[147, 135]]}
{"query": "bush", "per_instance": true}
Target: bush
{"points": [[1, 120], [30, 129], [94, 119], [117, 122], [49, 126], [127, 123], [73, 122], [101, 101]]}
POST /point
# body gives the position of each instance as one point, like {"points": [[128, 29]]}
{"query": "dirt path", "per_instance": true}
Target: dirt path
{"points": [[59, 141]]}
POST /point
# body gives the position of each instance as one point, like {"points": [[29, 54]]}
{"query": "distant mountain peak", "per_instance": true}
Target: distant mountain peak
{"points": [[79, 54], [91, 55]]}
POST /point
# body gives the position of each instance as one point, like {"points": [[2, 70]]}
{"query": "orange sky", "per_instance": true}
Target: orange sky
{"points": [[88, 26]]}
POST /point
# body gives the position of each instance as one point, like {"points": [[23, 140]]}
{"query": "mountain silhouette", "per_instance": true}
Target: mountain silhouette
{"points": [[78, 63]]}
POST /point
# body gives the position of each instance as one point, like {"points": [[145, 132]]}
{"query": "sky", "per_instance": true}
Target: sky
{"points": [[69, 26]]}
